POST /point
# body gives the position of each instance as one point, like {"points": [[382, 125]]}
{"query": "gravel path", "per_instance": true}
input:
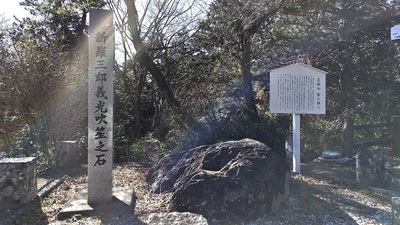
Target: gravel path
{"points": [[322, 194]]}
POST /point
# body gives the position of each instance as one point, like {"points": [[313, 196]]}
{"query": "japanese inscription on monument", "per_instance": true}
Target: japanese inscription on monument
{"points": [[100, 105]]}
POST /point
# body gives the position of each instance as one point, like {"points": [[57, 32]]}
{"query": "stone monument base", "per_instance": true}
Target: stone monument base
{"points": [[123, 203]]}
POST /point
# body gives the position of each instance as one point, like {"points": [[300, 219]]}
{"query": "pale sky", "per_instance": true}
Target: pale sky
{"points": [[11, 8]]}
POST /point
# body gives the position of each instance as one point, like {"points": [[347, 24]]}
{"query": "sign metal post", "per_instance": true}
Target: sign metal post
{"points": [[296, 142]]}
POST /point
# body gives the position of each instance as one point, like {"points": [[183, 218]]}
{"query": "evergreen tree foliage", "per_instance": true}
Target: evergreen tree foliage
{"points": [[189, 78], [45, 78]]}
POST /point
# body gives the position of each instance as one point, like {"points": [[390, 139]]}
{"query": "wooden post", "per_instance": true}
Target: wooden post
{"points": [[396, 135], [348, 137]]}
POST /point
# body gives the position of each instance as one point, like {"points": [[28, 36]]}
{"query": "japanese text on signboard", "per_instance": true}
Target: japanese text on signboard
{"points": [[297, 91]]}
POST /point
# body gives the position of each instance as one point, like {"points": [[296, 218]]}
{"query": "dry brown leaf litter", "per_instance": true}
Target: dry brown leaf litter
{"points": [[315, 199]]}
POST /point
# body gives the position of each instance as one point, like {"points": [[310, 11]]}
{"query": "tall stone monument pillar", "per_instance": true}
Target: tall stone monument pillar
{"points": [[100, 194], [100, 108]]}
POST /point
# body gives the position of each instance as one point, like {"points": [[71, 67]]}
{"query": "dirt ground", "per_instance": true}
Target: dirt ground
{"points": [[324, 193]]}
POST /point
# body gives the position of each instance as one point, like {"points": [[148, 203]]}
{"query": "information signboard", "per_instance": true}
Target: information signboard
{"points": [[297, 88], [395, 32]]}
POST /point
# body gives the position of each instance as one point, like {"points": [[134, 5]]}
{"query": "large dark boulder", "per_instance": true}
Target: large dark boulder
{"points": [[163, 175], [241, 180]]}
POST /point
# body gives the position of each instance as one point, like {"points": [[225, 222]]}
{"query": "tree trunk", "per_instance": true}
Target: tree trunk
{"points": [[145, 60], [246, 27], [346, 85], [346, 72], [247, 76]]}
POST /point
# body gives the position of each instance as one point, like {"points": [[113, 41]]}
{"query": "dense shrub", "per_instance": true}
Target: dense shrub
{"points": [[269, 129]]}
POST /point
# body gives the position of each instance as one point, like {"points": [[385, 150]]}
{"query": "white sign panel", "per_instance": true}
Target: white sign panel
{"points": [[395, 32], [297, 89]]}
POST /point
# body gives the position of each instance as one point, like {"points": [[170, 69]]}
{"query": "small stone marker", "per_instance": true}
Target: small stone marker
{"points": [[66, 153], [373, 168], [17, 180], [100, 108], [396, 210], [150, 150]]}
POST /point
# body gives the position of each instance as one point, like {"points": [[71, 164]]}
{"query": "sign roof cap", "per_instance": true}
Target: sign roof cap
{"points": [[298, 65]]}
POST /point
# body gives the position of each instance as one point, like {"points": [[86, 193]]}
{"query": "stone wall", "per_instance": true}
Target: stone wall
{"points": [[18, 180]]}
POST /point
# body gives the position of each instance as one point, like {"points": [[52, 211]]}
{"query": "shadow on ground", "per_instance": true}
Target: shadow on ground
{"points": [[29, 213]]}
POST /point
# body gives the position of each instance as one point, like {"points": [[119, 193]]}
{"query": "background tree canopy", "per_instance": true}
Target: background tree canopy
{"points": [[191, 72]]}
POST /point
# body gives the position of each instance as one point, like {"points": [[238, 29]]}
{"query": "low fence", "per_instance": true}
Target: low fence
{"points": [[393, 140]]}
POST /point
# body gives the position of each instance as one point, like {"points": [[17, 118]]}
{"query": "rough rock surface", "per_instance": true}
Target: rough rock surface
{"points": [[176, 218], [373, 168], [17, 180], [242, 180], [162, 176]]}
